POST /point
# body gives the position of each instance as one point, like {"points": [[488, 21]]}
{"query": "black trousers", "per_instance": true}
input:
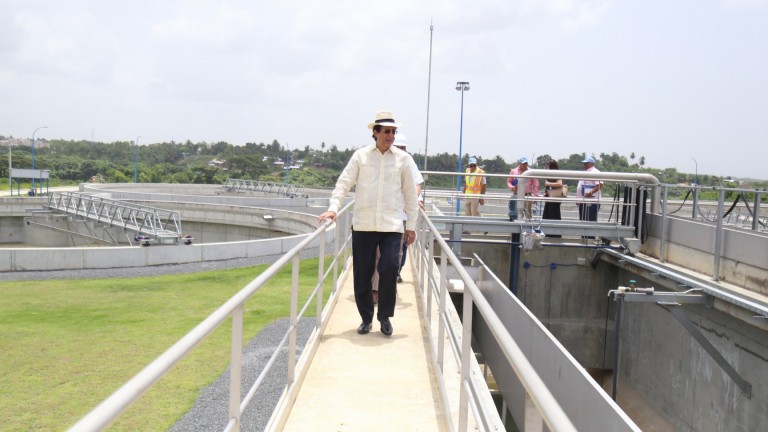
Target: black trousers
{"points": [[364, 245], [588, 212]]}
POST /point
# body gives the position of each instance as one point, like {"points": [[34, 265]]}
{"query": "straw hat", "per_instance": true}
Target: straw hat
{"points": [[384, 118]]}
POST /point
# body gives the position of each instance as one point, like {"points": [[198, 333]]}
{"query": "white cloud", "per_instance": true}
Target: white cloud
{"points": [[548, 76], [745, 4]]}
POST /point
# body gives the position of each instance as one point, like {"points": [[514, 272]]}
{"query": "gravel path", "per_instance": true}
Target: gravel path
{"points": [[210, 412]]}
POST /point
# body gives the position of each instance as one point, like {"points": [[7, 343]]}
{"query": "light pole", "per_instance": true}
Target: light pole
{"points": [[33, 153], [10, 167], [429, 88], [461, 86], [695, 188], [136, 160]]}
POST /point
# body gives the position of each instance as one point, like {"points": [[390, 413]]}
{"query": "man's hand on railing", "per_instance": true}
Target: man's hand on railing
{"points": [[327, 215]]}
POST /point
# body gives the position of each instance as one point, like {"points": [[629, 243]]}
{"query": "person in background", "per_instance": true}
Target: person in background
{"points": [[401, 142], [552, 208], [589, 190], [531, 189], [377, 172], [474, 185]]}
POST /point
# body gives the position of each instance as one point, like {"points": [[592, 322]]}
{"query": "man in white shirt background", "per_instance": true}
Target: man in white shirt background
{"points": [[589, 190]]}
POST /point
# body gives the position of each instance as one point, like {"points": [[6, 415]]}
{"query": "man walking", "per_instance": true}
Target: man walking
{"points": [[379, 172]]}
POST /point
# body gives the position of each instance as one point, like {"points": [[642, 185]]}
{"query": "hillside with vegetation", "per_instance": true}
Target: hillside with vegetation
{"points": [[72, 162]]}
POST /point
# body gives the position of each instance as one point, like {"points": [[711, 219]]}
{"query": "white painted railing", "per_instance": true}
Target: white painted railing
{"points": [[541, 398], [107, 411]]}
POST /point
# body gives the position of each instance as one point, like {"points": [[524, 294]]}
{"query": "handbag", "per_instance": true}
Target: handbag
{"points": [[560, 192]]}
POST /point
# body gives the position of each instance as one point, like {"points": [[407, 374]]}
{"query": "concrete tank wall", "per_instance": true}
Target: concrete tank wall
{"points": [[225, 216], [660, 360], [691, 244], [11, 230]]}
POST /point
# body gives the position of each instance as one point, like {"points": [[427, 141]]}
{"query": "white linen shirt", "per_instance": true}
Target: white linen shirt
{"points": [[417, 180], [384, 188]]}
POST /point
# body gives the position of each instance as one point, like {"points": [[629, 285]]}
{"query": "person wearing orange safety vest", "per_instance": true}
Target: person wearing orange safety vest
{"points": [[474, 184]]}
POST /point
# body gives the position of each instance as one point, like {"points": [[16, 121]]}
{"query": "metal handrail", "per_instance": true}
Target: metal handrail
{"points": [[552, 413], [107, 411]]}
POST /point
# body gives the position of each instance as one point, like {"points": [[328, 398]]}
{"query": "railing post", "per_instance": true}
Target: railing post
{"points": [[417, 249], [640, 210], [321, 279], [236, 366], [695, 201], [336, 254], [664, 225], [441, 308], [756, 212], [718, 233], [466, 351], [294, 319], [428, 278]]}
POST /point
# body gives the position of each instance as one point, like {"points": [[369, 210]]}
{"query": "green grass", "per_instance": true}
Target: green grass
{"points": [[68, 344]]}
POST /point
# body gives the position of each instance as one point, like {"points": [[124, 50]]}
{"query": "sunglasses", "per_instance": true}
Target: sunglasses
{"points": [[389, 131], [472, 165]]}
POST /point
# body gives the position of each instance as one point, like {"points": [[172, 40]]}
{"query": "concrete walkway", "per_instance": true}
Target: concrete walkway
{"points": [[371, 382]]}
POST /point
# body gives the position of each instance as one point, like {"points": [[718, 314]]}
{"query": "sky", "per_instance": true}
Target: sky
{"points": [[683, 83]]}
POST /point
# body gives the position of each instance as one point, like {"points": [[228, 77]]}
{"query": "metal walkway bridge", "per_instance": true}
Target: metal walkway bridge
{"points": [[240, 185], [152, 225], [425, 377]]}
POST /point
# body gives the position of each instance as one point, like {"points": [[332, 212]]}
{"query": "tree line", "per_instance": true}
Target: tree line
{"points": [[71, 162]]}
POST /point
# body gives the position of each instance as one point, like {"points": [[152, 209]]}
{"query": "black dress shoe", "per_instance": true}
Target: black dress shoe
{"points": [[386, 327], [366, 328], [399, 279]]}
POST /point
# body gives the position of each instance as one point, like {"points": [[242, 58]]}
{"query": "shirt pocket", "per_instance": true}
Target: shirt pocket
{"points": [[369, 175]]}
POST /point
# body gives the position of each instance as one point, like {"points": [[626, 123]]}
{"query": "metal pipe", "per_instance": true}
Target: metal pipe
{"points": [[569, 174], [619, 298]]}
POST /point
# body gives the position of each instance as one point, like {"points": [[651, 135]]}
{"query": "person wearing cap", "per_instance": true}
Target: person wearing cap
{"points": [[474, 184], [531, 189], [589, 190], [376, 172]]}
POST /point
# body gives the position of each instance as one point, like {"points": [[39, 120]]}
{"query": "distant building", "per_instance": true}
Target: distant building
{"points": [[15, 142]]}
